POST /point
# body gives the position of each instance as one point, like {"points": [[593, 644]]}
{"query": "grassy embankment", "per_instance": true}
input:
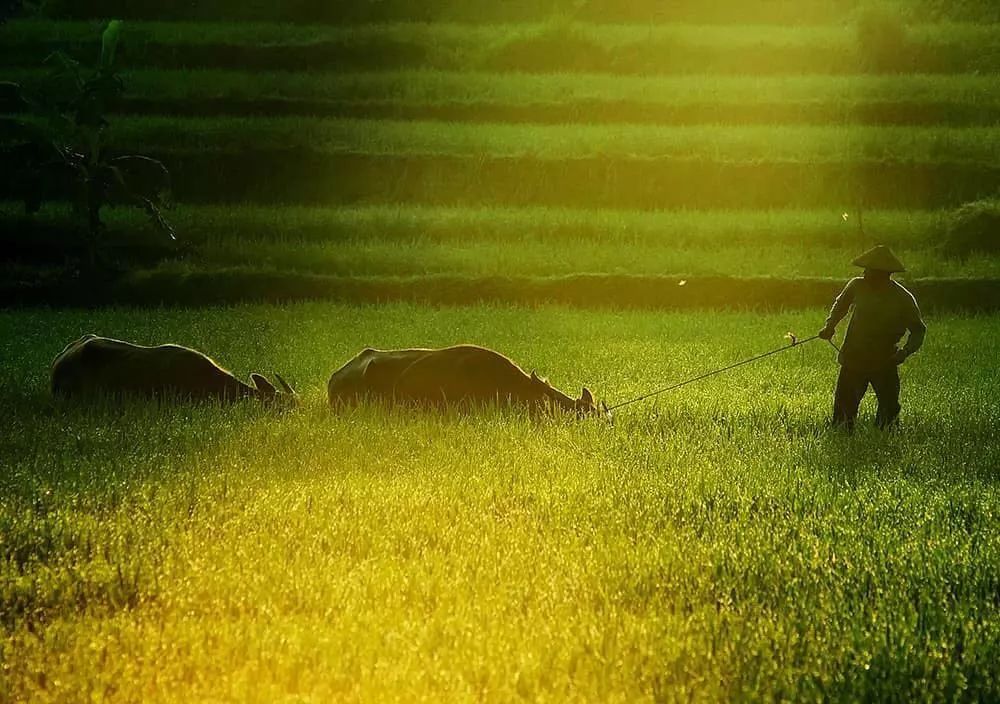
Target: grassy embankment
{"points": [[393, 240], [455, 255], [724, 546]]}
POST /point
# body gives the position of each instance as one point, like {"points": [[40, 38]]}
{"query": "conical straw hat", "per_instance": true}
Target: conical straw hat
{"points": [[880, 258]]}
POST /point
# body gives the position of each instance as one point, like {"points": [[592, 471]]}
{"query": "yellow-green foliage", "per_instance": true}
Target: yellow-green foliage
{"points": [[721, 542]]}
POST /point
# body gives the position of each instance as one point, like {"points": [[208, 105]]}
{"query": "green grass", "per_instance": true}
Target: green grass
{"points": [[585, 258], [565, 98], [413, 241], [593, 98], [420, 258], [381, 241], [340, 161], [721, 543], [718, 143], [536, 47], [334, 225], [559, 227], [644, 167]]}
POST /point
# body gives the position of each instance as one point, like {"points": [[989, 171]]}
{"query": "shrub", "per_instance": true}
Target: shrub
{"points": [[974, 227], [63, 144]]}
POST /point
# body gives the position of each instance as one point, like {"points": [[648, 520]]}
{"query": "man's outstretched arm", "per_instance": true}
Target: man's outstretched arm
{"points": [[841, 307], [917, 329]]}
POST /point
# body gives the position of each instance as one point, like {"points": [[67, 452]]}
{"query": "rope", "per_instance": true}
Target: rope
{"points": [[795, 343]]}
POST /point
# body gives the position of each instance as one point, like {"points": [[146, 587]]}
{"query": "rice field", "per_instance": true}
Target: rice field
{"points": [[718, 543], [715, 143], [415, 242], [305, 160], [461, 96]]}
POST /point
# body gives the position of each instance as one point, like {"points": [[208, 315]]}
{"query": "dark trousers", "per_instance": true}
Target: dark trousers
{"points": [[852, 384]]}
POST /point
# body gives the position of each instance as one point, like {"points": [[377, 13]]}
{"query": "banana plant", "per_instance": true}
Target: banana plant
{"points": [[54, 143]]}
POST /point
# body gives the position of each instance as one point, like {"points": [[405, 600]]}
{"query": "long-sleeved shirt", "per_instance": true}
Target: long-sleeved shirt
{"points": [[882, 314]]}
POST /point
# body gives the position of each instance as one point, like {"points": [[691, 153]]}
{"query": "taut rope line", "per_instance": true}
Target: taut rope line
{"points": [[795, 343]]}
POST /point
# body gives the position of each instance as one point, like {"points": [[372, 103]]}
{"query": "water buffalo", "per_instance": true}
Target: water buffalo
{"points": [[461, 375], [96, 365]]}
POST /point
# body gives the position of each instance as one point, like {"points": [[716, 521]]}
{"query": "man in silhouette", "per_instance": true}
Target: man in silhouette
{"points": [[883, 312]]}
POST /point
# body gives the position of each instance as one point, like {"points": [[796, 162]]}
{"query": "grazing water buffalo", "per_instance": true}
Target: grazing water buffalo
{"points": [[461, 375], [96, 365]]}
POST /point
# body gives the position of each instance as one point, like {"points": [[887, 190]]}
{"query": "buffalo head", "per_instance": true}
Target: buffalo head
{"points": [[266, 391]]}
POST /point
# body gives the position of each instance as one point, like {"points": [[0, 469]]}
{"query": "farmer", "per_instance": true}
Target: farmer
{"points": [[883, 311]]}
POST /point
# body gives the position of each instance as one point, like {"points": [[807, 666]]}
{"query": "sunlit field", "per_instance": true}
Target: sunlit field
{"points": [[617, 194], [719, 541]]}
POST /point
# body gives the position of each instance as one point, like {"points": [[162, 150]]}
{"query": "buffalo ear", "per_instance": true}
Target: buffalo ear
{"points": [[587, 397], [263, 385], [284, 385], [534, 375]]}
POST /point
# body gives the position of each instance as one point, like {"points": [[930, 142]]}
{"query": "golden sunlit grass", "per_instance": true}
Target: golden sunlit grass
{"points": [[721, 542]]}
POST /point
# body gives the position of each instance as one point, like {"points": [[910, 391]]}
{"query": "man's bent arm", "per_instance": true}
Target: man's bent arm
{"points": [[917, 329], [841, 306]]}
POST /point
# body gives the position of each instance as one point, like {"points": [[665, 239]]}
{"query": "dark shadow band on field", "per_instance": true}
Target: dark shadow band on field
{"points": [[302, 176], [539, 51], [588, 291], [583, 111]]}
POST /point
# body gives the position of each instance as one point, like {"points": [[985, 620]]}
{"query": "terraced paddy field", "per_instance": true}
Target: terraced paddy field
{"points": [[401, 240], [410, 149], [629, 166]]}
